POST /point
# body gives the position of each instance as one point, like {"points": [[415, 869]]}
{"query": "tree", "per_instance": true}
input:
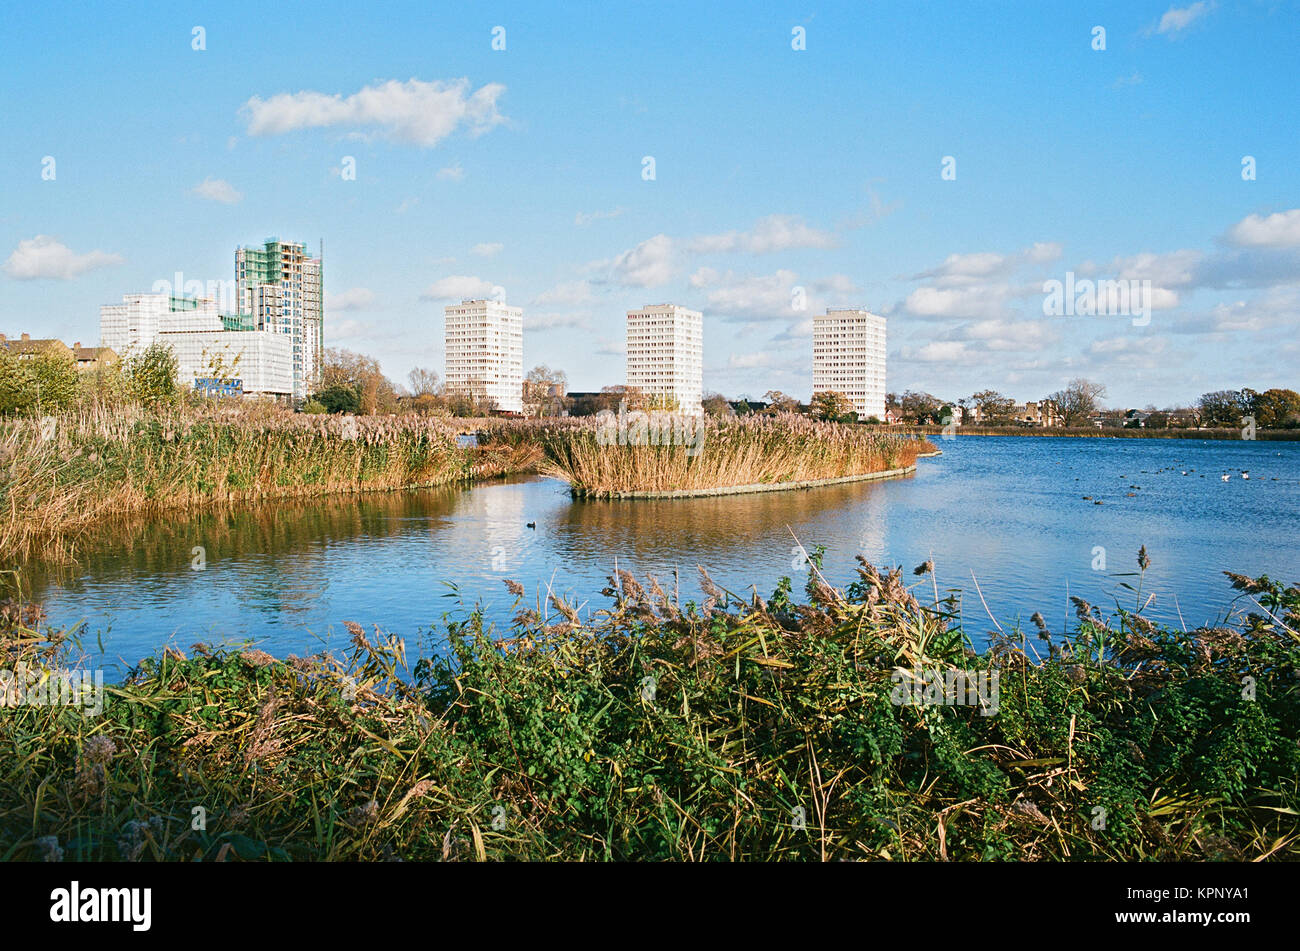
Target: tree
{"points": [[345, 368], [55, 380], [151, 375], [778, 402], [1222, 408], [993, 408], [830, 405], [919, 407], [1276, 409], [17, 387], [544, 391], [544, 374], [422, 382], [1078, 401], [715, 404], [339, 398]]}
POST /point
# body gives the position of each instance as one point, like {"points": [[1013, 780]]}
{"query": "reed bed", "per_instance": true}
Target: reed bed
{"points": [[738, 729], [609, 458], [61, 475], [1092, 432]]}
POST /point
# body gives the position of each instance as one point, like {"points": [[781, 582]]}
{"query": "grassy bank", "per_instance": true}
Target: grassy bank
{"points": [[606, 461], [62, 475], [1283, 435], [737, 729]]}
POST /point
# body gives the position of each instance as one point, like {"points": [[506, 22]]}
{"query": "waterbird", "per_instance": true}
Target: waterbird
{"points": [[532, 525], [1245, 475], [1226, 477]]}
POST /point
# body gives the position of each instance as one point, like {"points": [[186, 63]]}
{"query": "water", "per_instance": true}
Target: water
{"points": [[1008, 510]]}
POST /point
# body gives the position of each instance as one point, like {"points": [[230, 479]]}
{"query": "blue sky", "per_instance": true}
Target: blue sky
{"points": [[775, 169]]}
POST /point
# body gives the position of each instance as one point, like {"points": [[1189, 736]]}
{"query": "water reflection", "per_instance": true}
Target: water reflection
{"points": [[1018, 514]]}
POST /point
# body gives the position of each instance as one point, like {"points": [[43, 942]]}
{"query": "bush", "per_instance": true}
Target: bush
{"points": [[56, 381], [151, 375], [339, 398], [16, 383]]}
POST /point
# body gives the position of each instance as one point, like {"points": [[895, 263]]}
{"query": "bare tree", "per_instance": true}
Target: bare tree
{"points": [[1079, 400], [422, 382]]}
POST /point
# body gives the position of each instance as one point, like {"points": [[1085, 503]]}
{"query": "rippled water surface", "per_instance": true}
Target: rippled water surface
{"points": [[1008, 511]]}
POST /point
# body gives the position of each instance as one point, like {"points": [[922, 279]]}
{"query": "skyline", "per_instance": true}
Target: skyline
{"points": [[775, 169]]}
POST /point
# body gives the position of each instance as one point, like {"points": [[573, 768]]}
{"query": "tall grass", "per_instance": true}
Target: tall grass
{"points": [[61, 475], [739, 729], [751, 450]]}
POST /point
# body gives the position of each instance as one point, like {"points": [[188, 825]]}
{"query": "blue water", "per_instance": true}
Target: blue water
{"points": [[1007, 512]]}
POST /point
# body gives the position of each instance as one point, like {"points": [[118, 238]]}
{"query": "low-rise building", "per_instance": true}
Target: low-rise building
{"points": [[1043, 413], [208, 345], [25, 347], [93, 358]]}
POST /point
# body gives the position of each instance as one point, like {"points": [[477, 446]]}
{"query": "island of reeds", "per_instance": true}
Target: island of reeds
{"points": [[662, 455], [861, 723], [61, 475]]}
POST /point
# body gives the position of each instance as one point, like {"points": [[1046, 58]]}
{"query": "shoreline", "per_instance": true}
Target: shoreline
{"points": [[1213, 435], [750, 488]]}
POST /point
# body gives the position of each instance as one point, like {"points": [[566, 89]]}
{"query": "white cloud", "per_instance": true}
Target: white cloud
{"points": [[415, 112], [749, 361], [459, 287], [217, 189], [1177, 19], [487, 249], [760, 297], [349, 330], [553, 321], [940, 302], [958, 270], [46, 257], [1279, 230], [584, 218], [649, 264], [939, 351], [565, 294], [358, 298], [1002, 335], [452, 173], [773, 233], [1170, 269]]}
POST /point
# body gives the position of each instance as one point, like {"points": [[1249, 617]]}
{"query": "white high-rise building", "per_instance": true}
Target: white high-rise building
{"points": [[485, 352], [280, 286], [205, 343], [849, 358], [134, 324], [665, 356]]}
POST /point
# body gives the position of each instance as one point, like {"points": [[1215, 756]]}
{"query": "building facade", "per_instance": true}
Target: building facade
{"points": [[849, 358], [280, 286], [665, 356], [484, 347], [205, 342], [262, 361]]}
